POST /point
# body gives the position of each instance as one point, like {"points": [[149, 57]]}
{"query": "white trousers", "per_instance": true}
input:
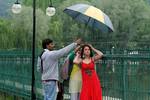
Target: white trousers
{"points": [[75, 96]]}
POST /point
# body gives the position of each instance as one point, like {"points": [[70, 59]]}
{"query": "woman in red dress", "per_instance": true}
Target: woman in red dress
{"points": [[91, 88]]}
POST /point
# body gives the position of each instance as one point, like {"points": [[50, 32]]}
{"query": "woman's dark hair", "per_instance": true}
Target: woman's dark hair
{"points": [[46, 42], [82, 51]]}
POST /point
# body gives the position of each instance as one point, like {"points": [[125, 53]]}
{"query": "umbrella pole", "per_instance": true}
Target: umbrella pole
{"points": [[84, 34], [87, 24]]}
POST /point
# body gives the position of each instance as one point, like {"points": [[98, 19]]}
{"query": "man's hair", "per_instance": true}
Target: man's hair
{"points": [[46, 42]]}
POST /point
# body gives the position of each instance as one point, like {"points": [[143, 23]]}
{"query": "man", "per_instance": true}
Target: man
{"points": [[48, 65]]}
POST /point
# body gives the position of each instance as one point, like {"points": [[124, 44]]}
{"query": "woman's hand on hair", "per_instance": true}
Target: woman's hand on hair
{"points": [[91, 46]]}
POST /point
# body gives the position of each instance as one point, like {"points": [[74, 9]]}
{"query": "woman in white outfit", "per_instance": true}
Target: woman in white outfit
{"points": [[75, 81]]}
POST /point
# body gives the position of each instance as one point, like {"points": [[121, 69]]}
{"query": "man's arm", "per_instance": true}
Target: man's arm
{"points": [[64, 51]]}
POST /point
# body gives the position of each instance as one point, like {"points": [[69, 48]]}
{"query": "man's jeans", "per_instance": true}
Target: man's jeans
{"points": [[50, 90]]}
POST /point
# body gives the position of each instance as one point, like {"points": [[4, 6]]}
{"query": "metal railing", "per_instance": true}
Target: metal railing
{"points": [[124, 75]]}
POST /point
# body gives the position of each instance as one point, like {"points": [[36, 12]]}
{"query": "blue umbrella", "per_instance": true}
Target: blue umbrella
{"points": [[91, 16]]}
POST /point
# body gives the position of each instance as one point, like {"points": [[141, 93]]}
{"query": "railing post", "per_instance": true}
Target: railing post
{"points": [[15, 98], [113, 61], [124, 76]]}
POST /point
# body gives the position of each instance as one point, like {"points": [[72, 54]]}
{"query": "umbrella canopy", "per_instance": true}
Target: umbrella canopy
{"points": [[91, 16]]}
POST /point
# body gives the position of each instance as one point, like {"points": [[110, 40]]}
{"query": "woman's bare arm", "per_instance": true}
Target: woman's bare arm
{"points": [[98, 54], [77, 59]]}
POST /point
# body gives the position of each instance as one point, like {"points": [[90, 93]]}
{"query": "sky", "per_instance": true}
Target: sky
{"points": [[5, 7]]}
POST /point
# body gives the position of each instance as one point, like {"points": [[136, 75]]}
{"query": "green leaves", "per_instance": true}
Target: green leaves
{"points": [[23, 25], [130, 19]]}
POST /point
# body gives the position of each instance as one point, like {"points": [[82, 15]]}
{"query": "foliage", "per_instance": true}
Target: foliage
{"points": [[6, 34], [23, 27], [130, 19]]}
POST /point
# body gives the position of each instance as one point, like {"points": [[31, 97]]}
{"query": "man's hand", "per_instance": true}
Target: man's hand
{"points": [[78, 41]]}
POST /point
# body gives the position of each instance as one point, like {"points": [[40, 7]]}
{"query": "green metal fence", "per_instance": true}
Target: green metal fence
{"points": [[124, 74]]}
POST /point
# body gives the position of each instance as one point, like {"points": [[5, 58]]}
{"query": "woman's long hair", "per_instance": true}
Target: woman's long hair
{"points": [[82, 51]]}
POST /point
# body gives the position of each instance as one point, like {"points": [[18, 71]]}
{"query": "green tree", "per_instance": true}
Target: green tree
{"points": [[130, 20], [22, 25], [6, 34]]}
